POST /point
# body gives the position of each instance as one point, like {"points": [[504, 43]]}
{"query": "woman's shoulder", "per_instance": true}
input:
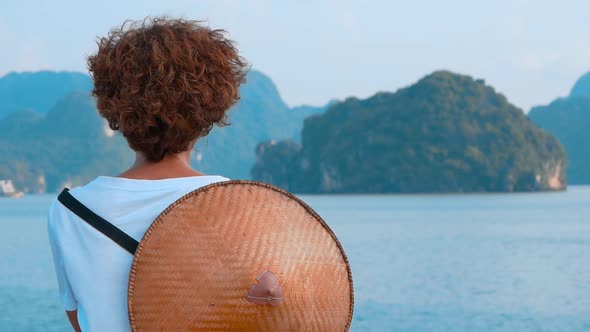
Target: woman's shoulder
{"points": [[115, 195], [127, 184]]}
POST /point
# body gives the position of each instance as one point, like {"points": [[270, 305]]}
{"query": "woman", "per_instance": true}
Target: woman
{"points": [[163, 84]]}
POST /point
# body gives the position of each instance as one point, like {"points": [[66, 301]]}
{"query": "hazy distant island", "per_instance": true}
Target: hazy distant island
{"points": [[446, 133], [38, 91], [568, 119], [52, 136]]}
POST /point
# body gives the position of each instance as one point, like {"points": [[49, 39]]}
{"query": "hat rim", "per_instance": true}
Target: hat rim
{"points": [[158, 220]]}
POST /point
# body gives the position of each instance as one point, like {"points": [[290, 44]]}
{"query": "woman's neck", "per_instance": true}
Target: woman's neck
{"points": [[172, 166]]}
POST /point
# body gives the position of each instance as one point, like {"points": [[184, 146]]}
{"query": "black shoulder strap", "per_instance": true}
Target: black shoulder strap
{"points": [[109, 230]]}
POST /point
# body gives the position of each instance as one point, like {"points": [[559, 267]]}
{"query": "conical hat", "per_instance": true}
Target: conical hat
{"points": [[240, 256]]}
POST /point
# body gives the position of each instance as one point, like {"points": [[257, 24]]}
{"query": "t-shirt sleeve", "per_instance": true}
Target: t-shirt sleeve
{"points": [[66, 294]]}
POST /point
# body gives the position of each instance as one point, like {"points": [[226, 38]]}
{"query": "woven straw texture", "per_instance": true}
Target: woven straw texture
{"points": [[196, 264]]}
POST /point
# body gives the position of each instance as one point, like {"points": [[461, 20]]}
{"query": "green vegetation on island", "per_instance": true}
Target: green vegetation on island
{"points": [[446, 133]]}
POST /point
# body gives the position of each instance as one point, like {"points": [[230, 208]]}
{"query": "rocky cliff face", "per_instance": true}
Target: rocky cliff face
{"points": [[568, 119], [284, 156]]}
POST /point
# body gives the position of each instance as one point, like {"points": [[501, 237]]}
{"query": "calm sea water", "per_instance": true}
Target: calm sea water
{"points": [[517, 262]]}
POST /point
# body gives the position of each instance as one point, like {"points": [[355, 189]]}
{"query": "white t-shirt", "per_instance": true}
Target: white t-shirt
{"points": [[92, 270]]}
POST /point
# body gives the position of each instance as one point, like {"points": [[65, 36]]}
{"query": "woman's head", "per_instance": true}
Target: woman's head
{"points": [[163, 82]]}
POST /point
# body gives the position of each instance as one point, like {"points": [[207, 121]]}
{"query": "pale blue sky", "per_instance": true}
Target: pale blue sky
{"points": [[530, 50]]}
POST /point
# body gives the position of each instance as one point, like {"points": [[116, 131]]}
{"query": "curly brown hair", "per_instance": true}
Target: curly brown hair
{"points": [[163, 83]]}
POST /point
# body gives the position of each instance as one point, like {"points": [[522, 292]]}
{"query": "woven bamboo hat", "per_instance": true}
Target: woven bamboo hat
{"points": [[240, 256]]}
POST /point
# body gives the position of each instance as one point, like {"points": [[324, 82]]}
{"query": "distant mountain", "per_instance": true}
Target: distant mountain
{"points": [[569, 120], [446, 133], [38, 91], [18, 122], [582, 87], [71, 144], [260, 115], [279, 163], [304, 111]]}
